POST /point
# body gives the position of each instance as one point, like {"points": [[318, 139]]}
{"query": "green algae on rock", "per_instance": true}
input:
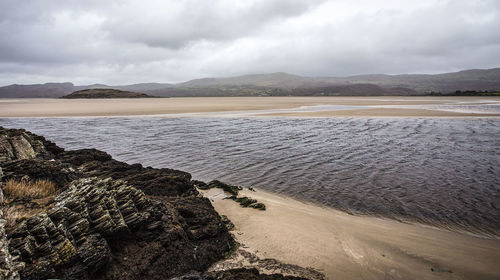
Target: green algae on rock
{"points": [[218, 184]]}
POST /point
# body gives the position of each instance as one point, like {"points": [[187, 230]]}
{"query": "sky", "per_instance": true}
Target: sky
{"points": [[136, 41]]}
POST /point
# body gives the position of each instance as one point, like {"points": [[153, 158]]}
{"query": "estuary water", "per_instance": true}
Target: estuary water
{"points": [[442, 172]]}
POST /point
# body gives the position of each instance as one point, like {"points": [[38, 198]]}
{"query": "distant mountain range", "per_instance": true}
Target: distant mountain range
{"points": [[283, 84]]}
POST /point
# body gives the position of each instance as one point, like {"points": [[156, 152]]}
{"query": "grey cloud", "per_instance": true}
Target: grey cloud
{"points": [[175, 26], [133, 41]]}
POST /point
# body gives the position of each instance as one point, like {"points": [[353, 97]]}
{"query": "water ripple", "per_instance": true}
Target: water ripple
{"points": [[436, 171]]}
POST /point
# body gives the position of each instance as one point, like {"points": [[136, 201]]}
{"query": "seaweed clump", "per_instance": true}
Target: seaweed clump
{"points": [[248, 202], [234, 190]]}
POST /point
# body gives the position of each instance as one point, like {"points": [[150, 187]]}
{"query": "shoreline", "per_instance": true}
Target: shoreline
{"points": [[343, 106], [344, 246]]}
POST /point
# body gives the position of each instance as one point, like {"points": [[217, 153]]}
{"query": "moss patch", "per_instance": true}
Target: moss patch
{"points": [[248, 202]]}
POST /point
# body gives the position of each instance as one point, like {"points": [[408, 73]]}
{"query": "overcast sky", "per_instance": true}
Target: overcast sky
{"points": [[124, 42]]}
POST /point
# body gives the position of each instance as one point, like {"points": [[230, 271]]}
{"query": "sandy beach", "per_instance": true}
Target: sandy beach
{"points": [[344, 246], [365, 106]]}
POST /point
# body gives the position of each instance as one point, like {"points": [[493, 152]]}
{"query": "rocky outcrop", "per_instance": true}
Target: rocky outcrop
{"points": [[72, 240], [19, 144], [109, 220], [154, 226]]}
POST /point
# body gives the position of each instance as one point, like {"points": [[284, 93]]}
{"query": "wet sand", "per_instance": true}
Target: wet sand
{"points": [[343, 246], [165, 106]]}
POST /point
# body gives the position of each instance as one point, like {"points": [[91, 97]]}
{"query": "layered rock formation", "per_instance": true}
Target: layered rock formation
{"points": [[153, 227], [8, 266], [107, 220]]}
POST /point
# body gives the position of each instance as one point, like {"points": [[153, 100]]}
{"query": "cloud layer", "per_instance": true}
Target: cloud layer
{"points": [[122, 42]]}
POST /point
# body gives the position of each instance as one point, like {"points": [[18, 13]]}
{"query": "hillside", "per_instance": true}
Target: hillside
{"points": [[104, 93], [277, 80], [36, 90], [287, 84]]}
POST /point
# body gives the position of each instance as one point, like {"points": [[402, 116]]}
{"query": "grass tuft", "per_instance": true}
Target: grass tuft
{"points": [[28, 189]]}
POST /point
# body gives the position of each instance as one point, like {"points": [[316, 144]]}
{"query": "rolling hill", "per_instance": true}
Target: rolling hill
{"points": [[287, 84]]}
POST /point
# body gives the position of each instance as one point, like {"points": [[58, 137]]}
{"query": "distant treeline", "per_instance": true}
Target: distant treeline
{"points": [[467, 93]]}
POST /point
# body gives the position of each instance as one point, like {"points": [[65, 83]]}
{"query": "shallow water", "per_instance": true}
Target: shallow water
{"points": [[437, 171]]}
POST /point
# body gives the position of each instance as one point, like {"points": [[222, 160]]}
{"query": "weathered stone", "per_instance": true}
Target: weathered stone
{"points": [[8, 265], [16, 144]]}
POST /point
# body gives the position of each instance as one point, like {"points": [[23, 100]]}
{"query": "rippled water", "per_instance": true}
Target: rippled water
{"points": [[436, 171]]}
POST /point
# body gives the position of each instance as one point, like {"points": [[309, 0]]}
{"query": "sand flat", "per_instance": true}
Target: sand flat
{"points": [[165, 106], [344, 246]]}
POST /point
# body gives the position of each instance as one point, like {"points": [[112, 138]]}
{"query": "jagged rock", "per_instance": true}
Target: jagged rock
{"points": [[70, 240], [14, 147], [18, 144], [8, 265], [97, 223], [164, 181]]}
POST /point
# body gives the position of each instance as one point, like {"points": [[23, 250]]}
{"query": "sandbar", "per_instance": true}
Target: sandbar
{"points": [[50, 107]]}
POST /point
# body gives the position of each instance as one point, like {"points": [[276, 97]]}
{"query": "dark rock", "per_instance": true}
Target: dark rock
{"points": [[258, 205], [18, 144], [227, 222], [79, 157], [55, 171], [226, 187], [21, 144], [97, 223], [152, 181], [200, 185]]}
